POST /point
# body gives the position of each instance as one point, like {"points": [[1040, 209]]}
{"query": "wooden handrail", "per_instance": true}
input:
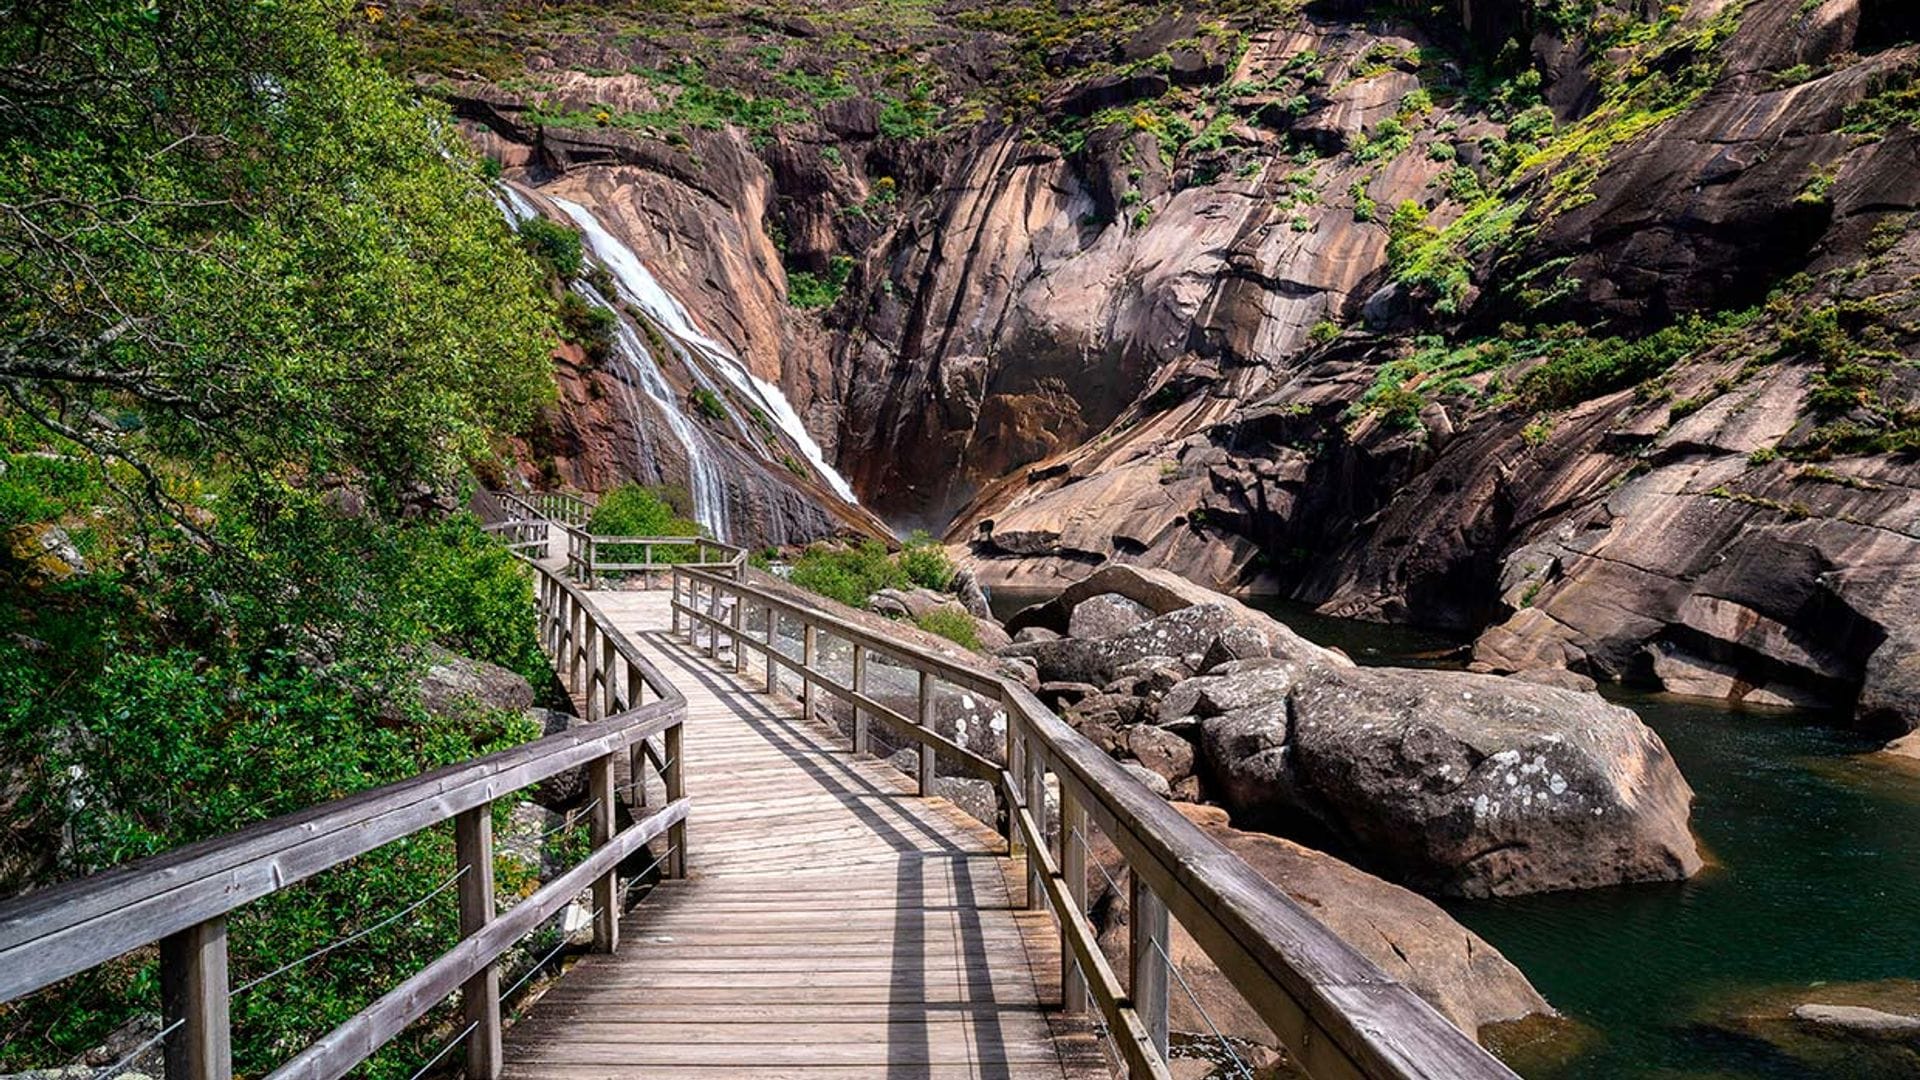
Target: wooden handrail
{"points": [[1335, 1011], [182, 898]]}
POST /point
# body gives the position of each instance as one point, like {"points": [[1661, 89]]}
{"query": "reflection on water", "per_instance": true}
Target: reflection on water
{"points": [[1816, 879]]}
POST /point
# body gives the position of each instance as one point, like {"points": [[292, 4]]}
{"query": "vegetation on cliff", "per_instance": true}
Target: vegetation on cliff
{"points": [[259, 320]]}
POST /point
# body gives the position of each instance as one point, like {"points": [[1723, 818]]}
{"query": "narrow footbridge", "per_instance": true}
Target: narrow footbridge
{"points": [[768, 897]]}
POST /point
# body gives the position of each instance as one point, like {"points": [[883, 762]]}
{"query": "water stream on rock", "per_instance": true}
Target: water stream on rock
{"points": [[700, 354], [704, 483], [1816, 882]]}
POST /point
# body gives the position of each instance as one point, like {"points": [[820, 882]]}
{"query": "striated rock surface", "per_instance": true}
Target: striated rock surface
{"points": [[1279, 302]]}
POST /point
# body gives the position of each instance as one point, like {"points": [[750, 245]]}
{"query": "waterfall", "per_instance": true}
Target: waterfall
{"points": [[701, 353], [704, 483]]}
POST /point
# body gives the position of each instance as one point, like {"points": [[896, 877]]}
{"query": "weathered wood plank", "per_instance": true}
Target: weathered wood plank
{"points": [[832, 919]]}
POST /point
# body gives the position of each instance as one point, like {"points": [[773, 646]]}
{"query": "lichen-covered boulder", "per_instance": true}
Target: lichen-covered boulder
{"points": [[1453, 783]]}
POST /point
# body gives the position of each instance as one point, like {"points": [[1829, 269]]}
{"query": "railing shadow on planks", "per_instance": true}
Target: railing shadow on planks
{"points": [[1336, 1012], [181, 899]]}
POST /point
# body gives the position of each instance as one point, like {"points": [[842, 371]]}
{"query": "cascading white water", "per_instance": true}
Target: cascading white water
{"points": [[704, 483], [639, 287]]}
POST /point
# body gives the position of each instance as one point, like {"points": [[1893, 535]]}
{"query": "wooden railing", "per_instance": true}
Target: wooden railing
{"points": [[182, 898], [1335, 1011], [590, 557]]}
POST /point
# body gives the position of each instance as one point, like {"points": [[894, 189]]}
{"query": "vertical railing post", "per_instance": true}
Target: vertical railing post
{"points": [[809, 650], [739, 649], [193, 994], [577, 629], [859, 687], [1073, 867], [1014, 770], [676, 788], [610, 677], [590, 650], [773, 643], [606, 888], [674, 604], [713, 615], [1146, 960], [1036, 790], [646, 576], [926, 725], [480, 997]]}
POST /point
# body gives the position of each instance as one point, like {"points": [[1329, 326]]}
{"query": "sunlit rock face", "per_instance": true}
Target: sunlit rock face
{"points": [[1067, 333]]}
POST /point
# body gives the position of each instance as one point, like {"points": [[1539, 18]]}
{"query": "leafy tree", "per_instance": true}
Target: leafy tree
{"points": [[250, 281], [224, 217]]}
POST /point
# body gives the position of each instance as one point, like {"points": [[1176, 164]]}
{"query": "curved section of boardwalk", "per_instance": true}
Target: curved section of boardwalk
{"points": [[832, 924]]}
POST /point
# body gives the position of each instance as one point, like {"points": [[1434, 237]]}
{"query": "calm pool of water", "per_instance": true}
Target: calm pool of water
{"points": [[1816, 878]]}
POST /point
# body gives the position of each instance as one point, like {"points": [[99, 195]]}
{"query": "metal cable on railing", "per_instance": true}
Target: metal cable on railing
{"points": [[356, 935], [1240, 1067], [642, 875], [565, 940], [126, 1060], [445, 1050], [575, 818]]}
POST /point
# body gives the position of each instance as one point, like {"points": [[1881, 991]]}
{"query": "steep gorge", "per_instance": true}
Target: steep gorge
{"points": [[1585, 327]]}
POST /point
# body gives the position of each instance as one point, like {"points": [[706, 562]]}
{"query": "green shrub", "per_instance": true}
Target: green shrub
{"points": [[926, 563], [956, 626], [810, 292], [709, 403], [849, 575], [555, 245], [635, 510], [588, 325]]}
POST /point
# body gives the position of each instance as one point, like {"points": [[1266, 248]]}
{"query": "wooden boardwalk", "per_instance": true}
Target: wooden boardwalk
{"points": [[832, 923]]}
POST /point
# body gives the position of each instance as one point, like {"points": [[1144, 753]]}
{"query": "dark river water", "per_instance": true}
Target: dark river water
{"points": [[1815, 880]]}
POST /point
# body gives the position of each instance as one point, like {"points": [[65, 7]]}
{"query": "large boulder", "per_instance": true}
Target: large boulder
{"points": [[1106, 615], [1187, 635], [1455, 783], [1159, 591], [911, 603], [453, 685], [1409, 937]]}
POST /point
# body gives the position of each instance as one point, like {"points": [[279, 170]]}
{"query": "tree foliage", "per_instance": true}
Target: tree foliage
{"points": [[226, 234], [246, 278]]}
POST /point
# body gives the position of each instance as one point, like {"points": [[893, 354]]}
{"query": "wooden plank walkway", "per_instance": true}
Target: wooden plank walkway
{"points": [[832, 924]]}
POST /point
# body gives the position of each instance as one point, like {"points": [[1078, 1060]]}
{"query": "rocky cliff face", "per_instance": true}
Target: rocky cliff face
{"points": [[1584, 326]]}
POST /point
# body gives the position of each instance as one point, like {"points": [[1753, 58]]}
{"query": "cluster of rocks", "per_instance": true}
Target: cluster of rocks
{"points": [[1450, 782]]}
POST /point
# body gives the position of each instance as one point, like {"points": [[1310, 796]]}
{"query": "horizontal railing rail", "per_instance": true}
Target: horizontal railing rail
{"points": [[591, 557], [181, 899], [1335, 1011]]}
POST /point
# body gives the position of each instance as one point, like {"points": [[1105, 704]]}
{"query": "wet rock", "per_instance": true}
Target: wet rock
{"points": [[1869, 1030], [1560, 677], [1105, 616]]}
